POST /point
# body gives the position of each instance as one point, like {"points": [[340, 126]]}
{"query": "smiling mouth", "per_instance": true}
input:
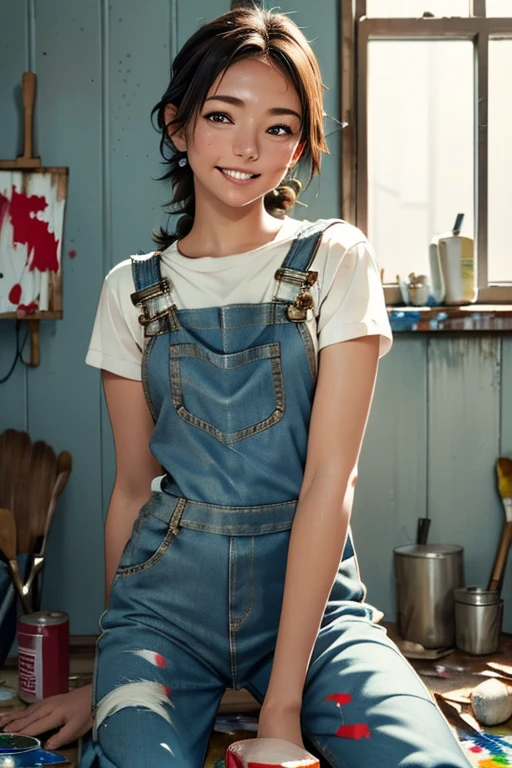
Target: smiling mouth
{"points": [[238, 175]]}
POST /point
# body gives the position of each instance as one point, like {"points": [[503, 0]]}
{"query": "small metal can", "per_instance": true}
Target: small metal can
{"points": [[43, 655]]}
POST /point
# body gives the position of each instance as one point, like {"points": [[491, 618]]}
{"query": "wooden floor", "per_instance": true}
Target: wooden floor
{"points": [[454, 676]]}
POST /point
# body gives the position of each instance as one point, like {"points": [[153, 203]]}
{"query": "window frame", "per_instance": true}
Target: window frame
{"points": [[357, 32]]}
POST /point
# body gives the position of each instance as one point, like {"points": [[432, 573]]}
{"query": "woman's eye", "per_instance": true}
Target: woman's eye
{"points": [[280, 130], [217, 117]]}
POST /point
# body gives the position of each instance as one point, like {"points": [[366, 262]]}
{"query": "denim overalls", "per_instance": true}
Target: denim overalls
{"points": [[195, 604]]}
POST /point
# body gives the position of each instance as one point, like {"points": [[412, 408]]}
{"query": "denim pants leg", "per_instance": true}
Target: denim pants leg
{"points": [[363, 703], [189, 582]]}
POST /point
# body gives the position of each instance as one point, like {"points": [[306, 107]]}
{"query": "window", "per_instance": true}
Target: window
{"points": [[431, 134]]}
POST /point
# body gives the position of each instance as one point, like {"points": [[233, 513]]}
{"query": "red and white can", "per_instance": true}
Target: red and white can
{"points": [[43, 655]]}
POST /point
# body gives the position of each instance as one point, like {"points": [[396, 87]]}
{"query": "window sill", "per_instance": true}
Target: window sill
{"points": [[471, 318]]}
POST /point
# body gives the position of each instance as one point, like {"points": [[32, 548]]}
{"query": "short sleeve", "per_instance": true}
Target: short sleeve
{"points": [[117, 337], [353, 305]]}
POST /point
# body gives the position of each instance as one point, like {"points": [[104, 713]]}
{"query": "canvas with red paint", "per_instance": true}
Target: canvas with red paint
{"points": [[31, 223]]}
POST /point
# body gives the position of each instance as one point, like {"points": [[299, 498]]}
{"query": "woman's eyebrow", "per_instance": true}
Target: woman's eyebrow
{"points": [[235, 102]]}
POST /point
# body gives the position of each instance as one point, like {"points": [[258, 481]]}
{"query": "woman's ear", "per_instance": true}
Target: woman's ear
{"points": [[176, 135]]}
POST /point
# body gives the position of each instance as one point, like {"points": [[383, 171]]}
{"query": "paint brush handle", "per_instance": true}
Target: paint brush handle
{"points": [[501, 558], [29, 97]]}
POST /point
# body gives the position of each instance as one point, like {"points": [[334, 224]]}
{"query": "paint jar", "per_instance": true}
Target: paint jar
{"points": [[478, 618], [274, 753], [426, 576]]}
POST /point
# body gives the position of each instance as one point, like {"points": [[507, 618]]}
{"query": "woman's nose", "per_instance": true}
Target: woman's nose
{"points": [[246, 145]]}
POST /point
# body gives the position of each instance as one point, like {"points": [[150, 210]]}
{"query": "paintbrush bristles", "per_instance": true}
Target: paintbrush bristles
{"points": [[7, 534], [504, 472], [43, 472], [27, 477]]}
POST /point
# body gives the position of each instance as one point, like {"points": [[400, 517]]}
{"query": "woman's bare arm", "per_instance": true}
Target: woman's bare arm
{"points": [[132, 425], [346, 381]]}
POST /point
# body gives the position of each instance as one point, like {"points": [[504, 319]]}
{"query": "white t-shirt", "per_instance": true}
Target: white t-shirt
{"points": [[349, 300]]}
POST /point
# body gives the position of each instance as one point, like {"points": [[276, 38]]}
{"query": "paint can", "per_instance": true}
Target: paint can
{"points": [[43, 655], [268, 753]]}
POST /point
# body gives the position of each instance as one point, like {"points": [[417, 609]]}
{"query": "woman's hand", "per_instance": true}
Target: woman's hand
{"points": [[280, 722], [69, 712]]}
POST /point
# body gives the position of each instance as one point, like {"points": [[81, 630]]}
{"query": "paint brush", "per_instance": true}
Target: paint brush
{"points": [[8, 548], [504, 473], [64, 466]]}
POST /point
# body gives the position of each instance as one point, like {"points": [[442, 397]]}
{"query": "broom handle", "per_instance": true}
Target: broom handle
{"points": [[501, 558], [29, 96]]}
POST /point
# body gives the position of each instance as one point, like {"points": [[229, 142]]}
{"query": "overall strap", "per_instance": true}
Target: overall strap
{"points": [[294, 277], [306, 243], [146, 270], [153, 295]]}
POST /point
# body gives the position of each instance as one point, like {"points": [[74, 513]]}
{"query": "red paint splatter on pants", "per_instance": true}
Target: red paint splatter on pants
{"points": [[32, 232], [160, 660], [339, 698], [167, 690], [356, 731]]}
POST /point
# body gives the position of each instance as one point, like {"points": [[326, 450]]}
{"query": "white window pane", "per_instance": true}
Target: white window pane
{"points": [[499, 8], [415, 8], [420, 148], [500, 163]]}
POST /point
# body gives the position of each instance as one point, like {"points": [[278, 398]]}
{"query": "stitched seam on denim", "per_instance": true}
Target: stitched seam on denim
{"points": [[145, 380], [234, 510], [238, 530], [123, 571], [235, 359], [131, 570], [232, 640], [310, 350], [251, 588], [231, 437], [223, 329], [324, 751]]}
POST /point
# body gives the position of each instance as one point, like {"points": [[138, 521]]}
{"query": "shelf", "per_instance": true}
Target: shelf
{"points": [[31, 315], [471, 318]]}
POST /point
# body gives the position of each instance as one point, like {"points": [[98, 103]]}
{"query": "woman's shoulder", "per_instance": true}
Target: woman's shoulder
{"points": [[340, 234], [120, 278]]}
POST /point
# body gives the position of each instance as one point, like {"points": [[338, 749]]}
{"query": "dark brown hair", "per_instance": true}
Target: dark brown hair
{"points": [[236, 35]]}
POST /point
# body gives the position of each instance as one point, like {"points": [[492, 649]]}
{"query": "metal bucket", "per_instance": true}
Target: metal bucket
{"points": [[478, 617], [426, 576]]}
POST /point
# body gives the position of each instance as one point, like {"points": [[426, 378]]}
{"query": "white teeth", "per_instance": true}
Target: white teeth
{"points": [[238, 175]]}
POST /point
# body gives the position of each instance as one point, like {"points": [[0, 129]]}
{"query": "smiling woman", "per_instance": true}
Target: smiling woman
{"points": [[238, 365], [266, 65]]}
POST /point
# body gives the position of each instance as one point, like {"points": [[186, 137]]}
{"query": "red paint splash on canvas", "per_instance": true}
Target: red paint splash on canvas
{"points": [[28, 230]]}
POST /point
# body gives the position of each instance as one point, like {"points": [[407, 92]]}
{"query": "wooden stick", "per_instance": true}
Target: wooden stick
{"points": [[29, 97], [501, 558]]}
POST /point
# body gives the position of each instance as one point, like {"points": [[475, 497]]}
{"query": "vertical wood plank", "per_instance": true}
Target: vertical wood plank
{"points": [[506, 450], [391, 490], [464, 398], [14, 57], [64, 393]]}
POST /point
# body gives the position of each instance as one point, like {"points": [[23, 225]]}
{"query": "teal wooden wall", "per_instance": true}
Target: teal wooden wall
{"points": [[443, 408]]}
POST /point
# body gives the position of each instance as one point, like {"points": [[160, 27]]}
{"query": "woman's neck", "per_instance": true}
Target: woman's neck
{"points": [[228, 231]]}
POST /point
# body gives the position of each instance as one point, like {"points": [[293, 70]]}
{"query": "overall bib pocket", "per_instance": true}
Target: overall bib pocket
{"points": [[230, 396], [150, 540]]}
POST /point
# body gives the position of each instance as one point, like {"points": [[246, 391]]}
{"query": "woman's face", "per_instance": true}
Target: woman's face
{"points": [[247, 134]]}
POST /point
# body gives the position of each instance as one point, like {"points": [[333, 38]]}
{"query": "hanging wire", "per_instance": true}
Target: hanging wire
{"points": [[18, 354]]}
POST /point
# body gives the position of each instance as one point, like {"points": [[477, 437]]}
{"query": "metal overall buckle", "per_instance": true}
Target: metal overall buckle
{"points": [[297, 312]]}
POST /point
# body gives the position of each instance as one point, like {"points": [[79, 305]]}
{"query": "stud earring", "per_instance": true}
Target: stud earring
{"points": [[182, 162]]}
